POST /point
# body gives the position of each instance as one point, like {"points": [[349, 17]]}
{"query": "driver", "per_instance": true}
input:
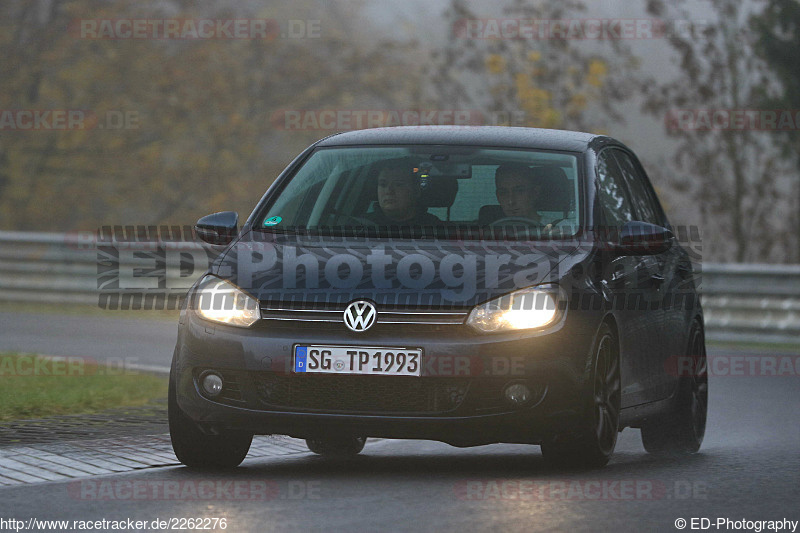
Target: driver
{"points": [[517, 191], [399, 199]]}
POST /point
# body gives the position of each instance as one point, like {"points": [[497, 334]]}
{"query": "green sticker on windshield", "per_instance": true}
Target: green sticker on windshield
{"points": [[272, 221]]}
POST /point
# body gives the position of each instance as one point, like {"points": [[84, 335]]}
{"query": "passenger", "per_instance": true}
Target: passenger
{"points": [[399, 199], [517, 191]]}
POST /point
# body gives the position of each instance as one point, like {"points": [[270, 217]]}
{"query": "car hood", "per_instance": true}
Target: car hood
{"points": [[417, 273]]}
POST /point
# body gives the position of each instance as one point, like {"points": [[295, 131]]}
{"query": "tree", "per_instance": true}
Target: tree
{"points": [[739, 175], [200, 138], [550, 82], [777, 31]]}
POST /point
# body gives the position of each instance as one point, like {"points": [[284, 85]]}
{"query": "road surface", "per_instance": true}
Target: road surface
{"points": [[748, 468]]}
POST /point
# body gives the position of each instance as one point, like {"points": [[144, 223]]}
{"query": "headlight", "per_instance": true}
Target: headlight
{"points": [[532, 308], [221, 301]]}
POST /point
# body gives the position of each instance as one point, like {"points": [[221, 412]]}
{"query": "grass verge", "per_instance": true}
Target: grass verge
{"points": [[33, 386], [782, 347]]}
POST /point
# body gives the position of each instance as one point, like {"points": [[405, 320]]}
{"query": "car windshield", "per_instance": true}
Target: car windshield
{"points": [[451, 191]]}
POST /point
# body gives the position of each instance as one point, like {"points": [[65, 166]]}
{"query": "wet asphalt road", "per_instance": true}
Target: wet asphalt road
{"points": [[139, 341], [748, 468]]}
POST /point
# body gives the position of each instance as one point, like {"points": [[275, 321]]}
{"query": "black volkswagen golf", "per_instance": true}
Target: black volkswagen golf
{"points": [[470, 285]]}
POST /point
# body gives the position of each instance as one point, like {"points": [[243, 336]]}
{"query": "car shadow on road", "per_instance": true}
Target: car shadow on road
{"points": [[456, 465]]}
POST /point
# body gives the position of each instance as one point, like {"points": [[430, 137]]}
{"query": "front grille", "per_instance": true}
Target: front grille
{"points": [[334, 312], [361, 394]]}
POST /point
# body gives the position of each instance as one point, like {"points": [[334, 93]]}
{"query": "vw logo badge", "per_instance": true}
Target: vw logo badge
{"points": [[360, 316]]}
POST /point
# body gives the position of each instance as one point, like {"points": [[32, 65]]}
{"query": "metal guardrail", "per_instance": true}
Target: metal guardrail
{"points": [[75, 269], [742, 302], [751, 302]]}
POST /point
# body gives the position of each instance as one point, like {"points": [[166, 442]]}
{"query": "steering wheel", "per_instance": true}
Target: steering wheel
{"points": [[343, 219], [505, 221]]}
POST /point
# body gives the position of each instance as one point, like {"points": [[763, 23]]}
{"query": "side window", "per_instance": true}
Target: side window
{"points": [[611, 192], [644, 202]]}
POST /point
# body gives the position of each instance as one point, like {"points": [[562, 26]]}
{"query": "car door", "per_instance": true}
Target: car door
{"points": [[662, 273], [623, 279]]}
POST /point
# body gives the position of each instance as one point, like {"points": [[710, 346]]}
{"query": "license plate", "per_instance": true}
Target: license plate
{"points": [[357, 360]]}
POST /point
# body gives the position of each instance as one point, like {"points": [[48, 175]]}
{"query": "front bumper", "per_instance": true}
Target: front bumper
{"points": [[458, 399]]}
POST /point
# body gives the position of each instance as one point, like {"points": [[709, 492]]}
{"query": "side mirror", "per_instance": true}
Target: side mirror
{"points": [[219, 228], [643, 238]]}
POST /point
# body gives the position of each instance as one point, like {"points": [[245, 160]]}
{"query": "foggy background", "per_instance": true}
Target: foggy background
{"points": [[177, 128]]}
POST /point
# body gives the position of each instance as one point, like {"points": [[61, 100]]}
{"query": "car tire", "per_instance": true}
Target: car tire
{"points": [[592, 443], [681, 432], [194, 448], [340, 446]]}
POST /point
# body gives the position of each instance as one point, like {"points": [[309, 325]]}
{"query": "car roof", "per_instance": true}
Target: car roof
{"points": [[495, 136]]}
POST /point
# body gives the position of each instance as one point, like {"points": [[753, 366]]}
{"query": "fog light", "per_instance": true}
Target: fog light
{"points": [[517, 393], [212, 384]]}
